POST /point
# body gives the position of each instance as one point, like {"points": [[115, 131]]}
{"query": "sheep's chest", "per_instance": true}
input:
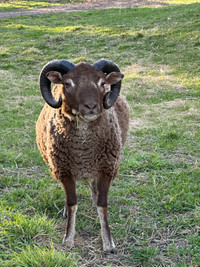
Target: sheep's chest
{"points": [[80, 151], [83, 150]]}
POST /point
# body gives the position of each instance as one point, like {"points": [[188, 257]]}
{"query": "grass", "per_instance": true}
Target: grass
{"points": [[15, 5], [155, 203], [12, 5]]}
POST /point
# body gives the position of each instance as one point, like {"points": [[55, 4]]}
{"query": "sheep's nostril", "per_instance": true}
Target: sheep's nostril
{"points": [[90, 106]]}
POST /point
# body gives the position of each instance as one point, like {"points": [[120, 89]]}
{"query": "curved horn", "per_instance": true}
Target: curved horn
{"points": [[62, 66], [107, 67]]}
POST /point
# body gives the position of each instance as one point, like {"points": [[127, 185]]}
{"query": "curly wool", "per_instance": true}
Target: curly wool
{"points": [[86, 149]]}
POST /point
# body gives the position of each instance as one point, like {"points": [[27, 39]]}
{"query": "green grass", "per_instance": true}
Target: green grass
{"points": [[20, 5], [12, 5], [155, 204]]}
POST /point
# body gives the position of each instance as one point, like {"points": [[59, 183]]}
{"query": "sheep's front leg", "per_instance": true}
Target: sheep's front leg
{"points": [[102, 209], [71, 203]]}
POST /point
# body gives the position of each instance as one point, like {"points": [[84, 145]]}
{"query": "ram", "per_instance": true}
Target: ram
{"points": [[81, 132]]}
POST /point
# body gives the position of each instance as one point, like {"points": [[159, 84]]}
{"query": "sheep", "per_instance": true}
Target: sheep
{"points": [[81, 135]]}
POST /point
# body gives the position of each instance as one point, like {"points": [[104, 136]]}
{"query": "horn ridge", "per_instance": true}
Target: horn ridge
{"points": [[106, 66], [62, 66]]}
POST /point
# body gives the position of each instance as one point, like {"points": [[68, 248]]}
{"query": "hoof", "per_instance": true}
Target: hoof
{"points": [[109, 247], [110, 251], [67, 241]]}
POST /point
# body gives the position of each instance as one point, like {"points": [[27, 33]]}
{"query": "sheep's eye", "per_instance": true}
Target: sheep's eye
{"points": [[67, 84], [101, 82]]}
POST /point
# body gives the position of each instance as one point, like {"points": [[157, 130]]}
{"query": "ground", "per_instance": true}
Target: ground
{"points": [[87, 5], [154, 210]]}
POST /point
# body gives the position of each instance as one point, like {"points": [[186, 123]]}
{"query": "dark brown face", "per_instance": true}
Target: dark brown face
{"points": [[83, 90]]}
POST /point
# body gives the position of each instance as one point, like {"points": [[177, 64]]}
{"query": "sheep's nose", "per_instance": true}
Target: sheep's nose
{"points": [[90, 106]]}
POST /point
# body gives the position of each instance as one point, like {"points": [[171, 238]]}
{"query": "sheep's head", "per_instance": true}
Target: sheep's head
{"points": [[83, 86]]}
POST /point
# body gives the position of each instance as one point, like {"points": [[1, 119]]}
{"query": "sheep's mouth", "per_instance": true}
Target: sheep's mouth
{"points": [[91, 117], [86, 118]]}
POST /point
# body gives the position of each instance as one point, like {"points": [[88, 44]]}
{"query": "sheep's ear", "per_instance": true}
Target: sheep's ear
{"points": [[114, 77], [54, 77]]}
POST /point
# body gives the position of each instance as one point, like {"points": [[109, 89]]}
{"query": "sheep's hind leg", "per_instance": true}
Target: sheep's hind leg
{"points": [[102, 203], [71, 204]]}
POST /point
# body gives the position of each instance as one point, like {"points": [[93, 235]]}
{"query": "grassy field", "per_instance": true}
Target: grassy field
{"points": [[11, 5], [155, 203]]}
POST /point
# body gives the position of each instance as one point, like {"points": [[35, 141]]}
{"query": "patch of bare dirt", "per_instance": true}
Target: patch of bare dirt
{"points": [[87, 5]]}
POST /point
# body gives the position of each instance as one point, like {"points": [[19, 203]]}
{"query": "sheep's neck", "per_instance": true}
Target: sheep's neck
{"points": [[67, 112]]}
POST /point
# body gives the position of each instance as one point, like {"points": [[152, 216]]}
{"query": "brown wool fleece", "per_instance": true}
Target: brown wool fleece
{"points": [[86, 148]]}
